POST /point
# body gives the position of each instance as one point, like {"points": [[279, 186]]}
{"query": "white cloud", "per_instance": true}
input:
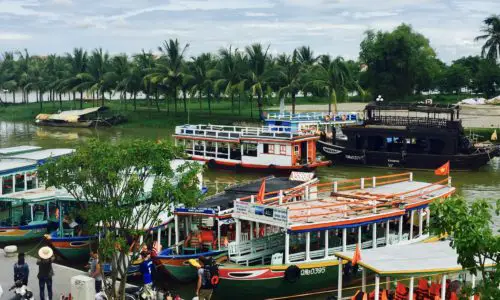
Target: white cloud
{"points": [[62, 2], [259, 14], [12, 36]]}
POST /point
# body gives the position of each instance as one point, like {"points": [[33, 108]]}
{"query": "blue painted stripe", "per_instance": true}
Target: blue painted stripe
{"points": [[188, 256], [54, 236], [356, 225], [17, 170]]}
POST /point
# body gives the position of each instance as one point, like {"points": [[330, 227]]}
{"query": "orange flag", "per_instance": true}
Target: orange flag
{"points": [[443, 170], [262, 191], [357, 256]]}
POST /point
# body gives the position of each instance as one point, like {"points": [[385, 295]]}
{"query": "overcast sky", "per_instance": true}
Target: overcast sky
{"points": [[328, 26]]}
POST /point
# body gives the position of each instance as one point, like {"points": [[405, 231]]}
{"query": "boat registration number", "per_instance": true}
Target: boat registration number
{"points": [[313, 271]]}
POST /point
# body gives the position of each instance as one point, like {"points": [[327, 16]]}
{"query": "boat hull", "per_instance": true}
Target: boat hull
{"points": [[75, 249], [178, 267], [270, 280], [21, 234], [342, 155], [212, 163]]}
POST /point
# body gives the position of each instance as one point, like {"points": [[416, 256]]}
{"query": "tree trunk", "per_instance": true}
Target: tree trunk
{"points": [[184, 98], [293, 102], [209, 104], [259, 105], [175, 99], [40, 100], [239, 104], [232, 102], [251, 106], [157, 101], [199, 99], [135, 101], [103, 98], [13, 97], [60, 101]]}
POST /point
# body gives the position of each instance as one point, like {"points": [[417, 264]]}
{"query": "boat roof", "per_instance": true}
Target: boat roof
{"points": [[417, 107], [70, 114], [39, 195], [209, 131], [340, 118], [421, 259], [42, 155], [349, 206], [12, 165], [225, 199], [18, 149]]}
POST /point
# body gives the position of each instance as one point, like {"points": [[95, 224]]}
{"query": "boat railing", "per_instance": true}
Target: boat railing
{"points": [[236, 132], [255, 249], [412, 121], [313, 116]]}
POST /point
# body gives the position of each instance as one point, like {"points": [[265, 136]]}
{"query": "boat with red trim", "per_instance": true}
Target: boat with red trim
{"points": [[305, 228], [265, 148], [207, 229]]}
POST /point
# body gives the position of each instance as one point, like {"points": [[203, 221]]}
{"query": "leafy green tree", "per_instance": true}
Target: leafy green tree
{"points": [[110, 179], [487, 78], [288, 75], [202, 69], [145, 63], [397, 61], [258, 61], [491, 30], [78, 65], [230, 73], [472, 235], [455, 77]]}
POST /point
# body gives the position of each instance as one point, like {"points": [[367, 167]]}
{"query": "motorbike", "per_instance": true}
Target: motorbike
{"points": [[21, 291]]}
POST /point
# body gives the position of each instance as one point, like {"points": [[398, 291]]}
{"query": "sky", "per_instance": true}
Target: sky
{"points": [[335, 27]]}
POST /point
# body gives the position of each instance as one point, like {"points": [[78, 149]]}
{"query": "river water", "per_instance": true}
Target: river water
{"points": [[483, 183]]}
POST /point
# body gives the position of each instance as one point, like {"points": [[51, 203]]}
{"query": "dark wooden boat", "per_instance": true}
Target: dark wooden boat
{"points": [[84, 118], [415, 136]]}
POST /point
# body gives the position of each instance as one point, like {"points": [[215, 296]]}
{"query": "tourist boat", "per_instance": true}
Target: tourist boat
{"points": [[316, 122], [215, 211], [22, 214], [76, 248], [306, 228], [265, 148], [416, 136], [405, 264], [88, 117]]}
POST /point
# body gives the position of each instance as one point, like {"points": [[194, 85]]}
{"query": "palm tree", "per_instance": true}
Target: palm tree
{"points": [[202, 71], [145, 66], [229, 72], [171, 62], [305, 56], [333, 77], [97, 77], [258, 59], [288, 75], [491, 30], [78, 65]]}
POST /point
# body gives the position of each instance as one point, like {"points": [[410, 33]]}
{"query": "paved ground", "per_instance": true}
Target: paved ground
{"points": [[61, 281], [478, 116]]}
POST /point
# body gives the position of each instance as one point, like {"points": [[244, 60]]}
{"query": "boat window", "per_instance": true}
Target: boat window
{"points": [[7, 185], [269, 148], [30, 180], [282, 149], [199, 148], [235, 151], [250, 149], [19, 183], [210, 149]]}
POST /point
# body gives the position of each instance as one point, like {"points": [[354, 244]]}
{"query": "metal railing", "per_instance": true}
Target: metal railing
{"points": [[236, 132], [312, 116], [412, 121]]}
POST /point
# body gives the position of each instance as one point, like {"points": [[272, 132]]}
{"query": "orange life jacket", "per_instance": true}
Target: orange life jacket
{"points": [[422, 290], [360, 296], [401, 292]]}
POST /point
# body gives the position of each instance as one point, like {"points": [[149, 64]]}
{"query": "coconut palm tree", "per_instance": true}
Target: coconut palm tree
{"points": [[288, 73], [258, 60], [305, 56], [202, 69], [77, 61], [333, 77], [145, 66], [491, 30], [229, 71], [170, 66]]}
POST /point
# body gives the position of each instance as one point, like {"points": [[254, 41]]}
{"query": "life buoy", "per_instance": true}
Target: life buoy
{"points": [[344, 117], [292, 274], [215, 280]]}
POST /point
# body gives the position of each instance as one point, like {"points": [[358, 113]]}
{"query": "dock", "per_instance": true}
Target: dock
{"points": [[61, 282]]}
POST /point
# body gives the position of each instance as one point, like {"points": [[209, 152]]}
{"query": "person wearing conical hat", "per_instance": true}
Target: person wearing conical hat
{"points": [[45, 271]]}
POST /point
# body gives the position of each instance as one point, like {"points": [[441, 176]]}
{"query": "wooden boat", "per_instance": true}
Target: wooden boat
{"points": [[268, 148], [25, 207], [88, 117], [306, 228], [422, 261], [214, 212], [415, 136]]}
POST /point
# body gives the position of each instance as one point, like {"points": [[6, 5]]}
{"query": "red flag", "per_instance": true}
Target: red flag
{"points": [[357, 255], [443, 170], [262, 191]]}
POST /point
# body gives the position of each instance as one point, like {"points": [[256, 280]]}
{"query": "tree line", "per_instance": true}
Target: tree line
{"points": [[396, 64]]}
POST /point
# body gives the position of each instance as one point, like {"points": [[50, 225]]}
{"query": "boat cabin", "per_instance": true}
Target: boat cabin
{"points": [[249, 147], [409, 128], [309, 225], [311, 121]]}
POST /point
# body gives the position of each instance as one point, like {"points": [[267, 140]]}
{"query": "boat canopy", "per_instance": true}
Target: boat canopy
{"points": [[13, 165], [71, 116], [42, 155], [420, 259], [39, 195], [18, 150]]}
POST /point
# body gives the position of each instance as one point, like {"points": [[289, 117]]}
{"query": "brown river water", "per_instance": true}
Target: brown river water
{"points": [[483, 183]]}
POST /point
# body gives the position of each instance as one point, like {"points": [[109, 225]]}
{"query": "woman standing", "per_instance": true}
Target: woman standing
{"points": [[45, 271], [21, 270]]}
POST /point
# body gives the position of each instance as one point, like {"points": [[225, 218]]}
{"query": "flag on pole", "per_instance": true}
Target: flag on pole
{"points": [[443, 170], [262, 192], [357, 255]]}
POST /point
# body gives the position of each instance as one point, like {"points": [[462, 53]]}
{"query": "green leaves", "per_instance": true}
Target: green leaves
{"points": [[470, 228]]}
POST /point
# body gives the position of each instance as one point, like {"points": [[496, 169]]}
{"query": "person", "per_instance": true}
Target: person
{"points": [[204, 288], [21, 269], [146, 269], [95, 270], [45, 271]]}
